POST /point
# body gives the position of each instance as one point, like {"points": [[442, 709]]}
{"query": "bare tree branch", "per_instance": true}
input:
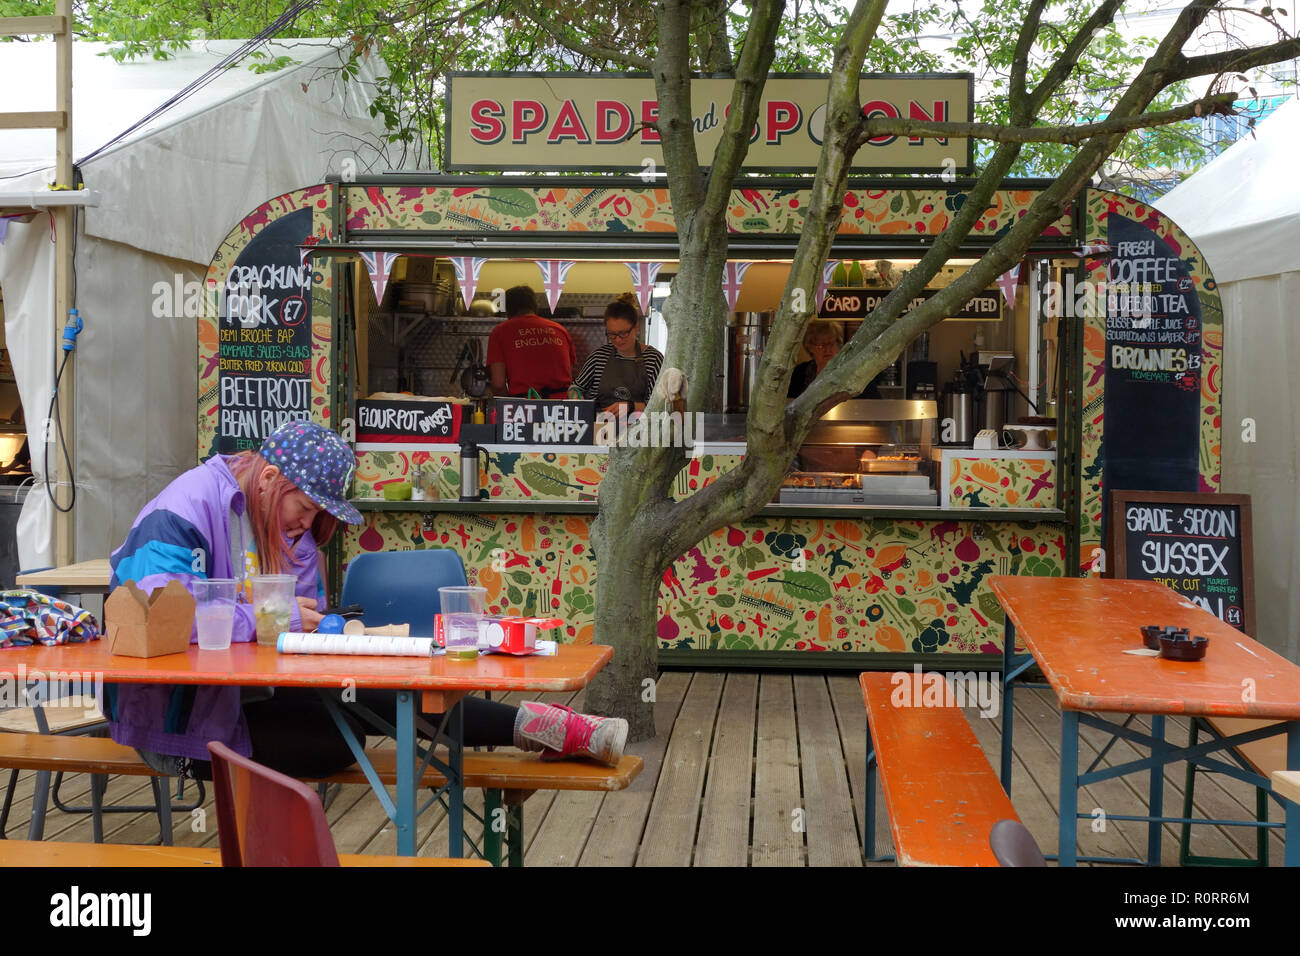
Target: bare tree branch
{"points": [[1069, 58], [1235, 61], [1220, 103], [755, 60], [630, 60], [1020, 113]]}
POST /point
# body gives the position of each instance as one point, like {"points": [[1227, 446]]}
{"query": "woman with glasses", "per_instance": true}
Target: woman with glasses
{"points": [[622, 372], [822, 341]]}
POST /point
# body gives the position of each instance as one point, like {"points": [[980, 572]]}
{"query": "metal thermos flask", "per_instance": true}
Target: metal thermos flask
{"points": [[471, 437], [957, 424]]}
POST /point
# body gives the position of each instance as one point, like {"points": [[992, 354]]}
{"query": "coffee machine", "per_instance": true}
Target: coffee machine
{"points": [[996, 392], [922, 374]]}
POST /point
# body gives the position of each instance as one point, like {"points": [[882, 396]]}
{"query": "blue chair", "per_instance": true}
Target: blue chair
{"points": [[401, 587]]}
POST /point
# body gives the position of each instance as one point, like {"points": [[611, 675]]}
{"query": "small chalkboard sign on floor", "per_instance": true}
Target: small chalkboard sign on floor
{"points": [[1198, 545]]}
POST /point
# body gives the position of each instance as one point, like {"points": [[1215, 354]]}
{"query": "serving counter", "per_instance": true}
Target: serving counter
{"points": [[795, 578]]}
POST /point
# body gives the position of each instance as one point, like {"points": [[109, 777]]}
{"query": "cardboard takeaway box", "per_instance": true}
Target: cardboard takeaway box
{"points": [[152, 625]]}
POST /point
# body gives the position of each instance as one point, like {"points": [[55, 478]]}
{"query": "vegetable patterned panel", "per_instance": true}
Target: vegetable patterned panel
{"points": [[318, 198], [375, 469], [1099, 207], [1002, 483], [767, 585], [621, 209], [518, 476]]}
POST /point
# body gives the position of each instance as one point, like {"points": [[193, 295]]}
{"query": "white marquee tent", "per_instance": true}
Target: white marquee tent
{"points": [[169, 193], [1243, 213]]}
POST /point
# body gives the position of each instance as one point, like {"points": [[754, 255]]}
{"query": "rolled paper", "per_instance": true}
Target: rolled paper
{"points": [[293, 642]]}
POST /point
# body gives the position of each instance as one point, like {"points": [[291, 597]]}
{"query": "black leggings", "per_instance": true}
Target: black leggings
{"points": [[293, 732]]}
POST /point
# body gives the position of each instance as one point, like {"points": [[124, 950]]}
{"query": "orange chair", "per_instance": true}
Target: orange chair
{"points": [[265, 818]]}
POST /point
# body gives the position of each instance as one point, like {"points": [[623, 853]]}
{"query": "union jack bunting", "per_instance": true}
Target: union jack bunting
{"points": [[733, 275], [467, 270], [643, 280], [554, 272], [378, 265], [825, 283], [1008, 281]]}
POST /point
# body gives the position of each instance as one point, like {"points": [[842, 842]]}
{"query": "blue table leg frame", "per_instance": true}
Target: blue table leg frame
{"points": [[1161, 754], [869, 810], [1013, 665], [403, 813]]}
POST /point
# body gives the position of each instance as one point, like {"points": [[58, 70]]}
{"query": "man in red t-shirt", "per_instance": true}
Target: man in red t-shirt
{"points": [[527, 351]]}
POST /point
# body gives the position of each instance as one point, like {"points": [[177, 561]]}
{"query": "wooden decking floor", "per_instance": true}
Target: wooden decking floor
{"points": [[747, 769]]}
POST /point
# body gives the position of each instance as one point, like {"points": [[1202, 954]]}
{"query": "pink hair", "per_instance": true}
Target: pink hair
{"points": [[263, 508]]}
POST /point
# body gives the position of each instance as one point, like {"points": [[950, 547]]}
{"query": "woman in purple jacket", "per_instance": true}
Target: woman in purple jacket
{"points": [[267, 512]]}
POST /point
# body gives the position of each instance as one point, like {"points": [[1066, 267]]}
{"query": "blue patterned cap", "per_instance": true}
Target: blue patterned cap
{"points": [[318, 462]]}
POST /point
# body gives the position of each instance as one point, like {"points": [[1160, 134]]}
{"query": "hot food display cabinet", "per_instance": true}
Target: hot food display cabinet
{"points": [[867, 452]]}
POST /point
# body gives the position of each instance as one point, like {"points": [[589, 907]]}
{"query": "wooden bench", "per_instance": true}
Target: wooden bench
{"points": [[509, 777], [1287, 783], [941, 793], [53, 853], [1262, 756]]}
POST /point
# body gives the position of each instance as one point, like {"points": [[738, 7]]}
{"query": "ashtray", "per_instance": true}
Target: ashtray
{"points": [[1183, 647], [1151, 634]]}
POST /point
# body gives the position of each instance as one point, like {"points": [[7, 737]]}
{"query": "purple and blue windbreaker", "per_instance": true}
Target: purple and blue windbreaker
{"points": [[188, 527]]}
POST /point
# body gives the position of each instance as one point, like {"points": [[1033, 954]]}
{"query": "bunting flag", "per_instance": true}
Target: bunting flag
{"points": [[733, 275], [1094, 249], [378, 264], [643, 279], [1008, 281], [304, 250], [827, 271], [554, 272], [467, 270]]}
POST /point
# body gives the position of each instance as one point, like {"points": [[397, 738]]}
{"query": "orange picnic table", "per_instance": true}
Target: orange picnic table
{"points": [[422, 685], [1081, 630]]}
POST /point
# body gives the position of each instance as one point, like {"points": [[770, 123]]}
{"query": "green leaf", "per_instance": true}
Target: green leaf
{"points": [[545, 478], [806, 586], [514, 595], [724, 600], [521, 577], [511, 202]]}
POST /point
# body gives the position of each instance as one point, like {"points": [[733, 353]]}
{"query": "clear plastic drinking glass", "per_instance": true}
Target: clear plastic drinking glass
{"points": [[214, 613], [273, 601], [462, 610]]}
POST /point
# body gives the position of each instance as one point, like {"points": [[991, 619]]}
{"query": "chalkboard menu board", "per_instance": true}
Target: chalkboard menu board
{"points": [[264, 336], [532, 421], [1198, 545], [859, 303], [1153, 365], [408, 421]]}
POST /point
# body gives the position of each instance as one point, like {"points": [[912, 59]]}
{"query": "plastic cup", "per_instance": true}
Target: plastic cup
{"points": [[462, 610], [273, 601], [214, 613]]}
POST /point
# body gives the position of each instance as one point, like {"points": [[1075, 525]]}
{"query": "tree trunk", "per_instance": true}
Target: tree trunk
{"points": [[627, 617]]}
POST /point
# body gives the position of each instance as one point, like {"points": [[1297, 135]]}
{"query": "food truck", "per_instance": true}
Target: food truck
{"points": [[366, 304]]}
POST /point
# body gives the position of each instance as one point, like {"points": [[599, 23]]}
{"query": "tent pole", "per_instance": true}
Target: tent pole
{"points": [[64, 218]]}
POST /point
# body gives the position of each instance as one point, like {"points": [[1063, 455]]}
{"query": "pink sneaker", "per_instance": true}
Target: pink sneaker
{"points": [[560, 731]]}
